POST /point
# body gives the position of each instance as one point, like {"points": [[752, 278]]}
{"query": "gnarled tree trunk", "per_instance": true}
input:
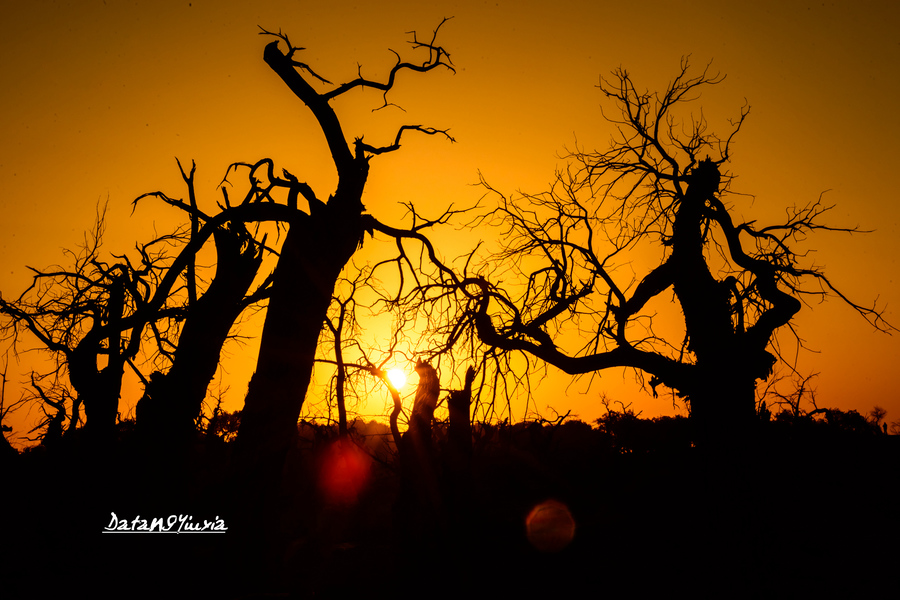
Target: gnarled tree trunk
{"points": [[99, 388], [315, 251], [317, 247], [173, 401]]}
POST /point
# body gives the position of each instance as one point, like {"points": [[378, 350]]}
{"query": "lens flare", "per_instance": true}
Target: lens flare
{"points": [[345, 471], [397, 378], [550, 526]]}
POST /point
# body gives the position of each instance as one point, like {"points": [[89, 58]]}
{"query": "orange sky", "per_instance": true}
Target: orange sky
{"points": [[99, 97]]}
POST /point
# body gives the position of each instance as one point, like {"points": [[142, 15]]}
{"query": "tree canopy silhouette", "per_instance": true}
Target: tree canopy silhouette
{"points": [[561, 289], [91, 316]]}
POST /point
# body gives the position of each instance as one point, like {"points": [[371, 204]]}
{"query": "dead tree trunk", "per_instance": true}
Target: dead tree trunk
{"points": [[99, 388], [419, 506], [316, 248], [458, 453], [457, 458], [173, 401], [728, 359]]}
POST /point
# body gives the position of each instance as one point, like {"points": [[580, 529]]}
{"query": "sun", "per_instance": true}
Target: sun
{"points": [[397, 377]]}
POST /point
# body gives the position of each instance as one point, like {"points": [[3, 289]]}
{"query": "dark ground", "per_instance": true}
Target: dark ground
{"points": [[811, 511]]}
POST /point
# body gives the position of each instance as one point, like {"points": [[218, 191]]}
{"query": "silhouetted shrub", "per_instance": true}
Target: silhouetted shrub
{"points": [[225, 425], [631, 434]]}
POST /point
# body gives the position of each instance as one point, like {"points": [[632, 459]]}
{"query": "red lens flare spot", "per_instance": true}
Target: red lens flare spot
{"points": [[550, 526], [345, 472]]}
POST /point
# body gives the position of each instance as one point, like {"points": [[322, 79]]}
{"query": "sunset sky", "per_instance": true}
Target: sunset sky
{"points": [[99, 98]]}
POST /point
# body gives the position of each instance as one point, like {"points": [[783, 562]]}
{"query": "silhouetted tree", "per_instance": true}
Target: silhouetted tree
{"points": [[172, 400], [95, 318], [566, 297], [876, 416], [90, 316], [316, 248]]}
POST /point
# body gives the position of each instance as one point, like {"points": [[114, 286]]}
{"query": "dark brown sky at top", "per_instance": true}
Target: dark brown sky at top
{"points": [[99, 97]]}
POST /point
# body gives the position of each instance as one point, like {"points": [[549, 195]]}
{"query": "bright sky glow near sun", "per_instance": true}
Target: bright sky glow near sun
{"points": [[397, 378], [99, 97]]}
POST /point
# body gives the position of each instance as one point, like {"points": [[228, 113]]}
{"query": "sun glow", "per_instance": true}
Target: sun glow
{"points": [[397, 378]]}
